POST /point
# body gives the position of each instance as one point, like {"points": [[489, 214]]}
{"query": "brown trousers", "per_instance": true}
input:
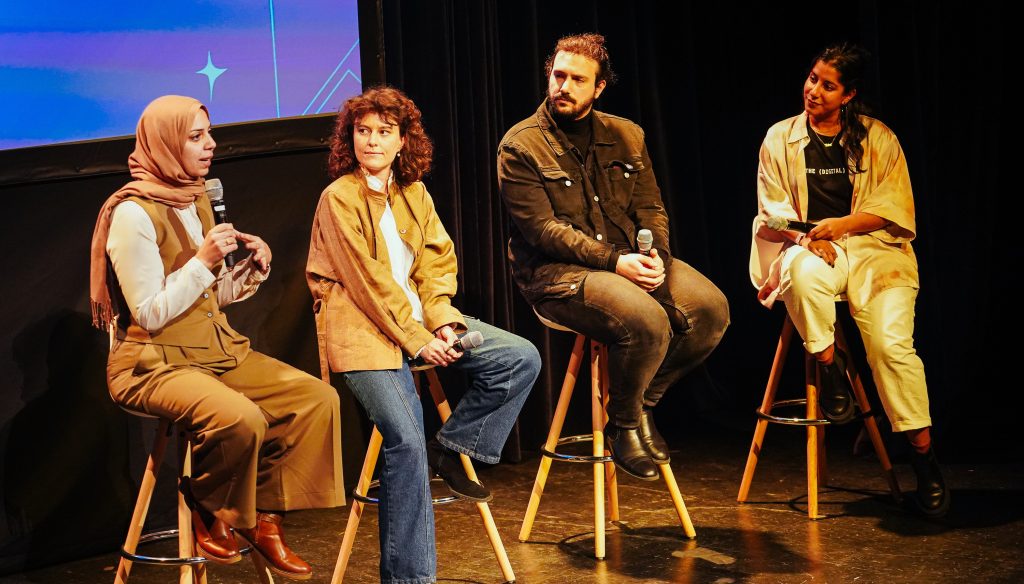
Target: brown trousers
{"points": [[266, 435]]}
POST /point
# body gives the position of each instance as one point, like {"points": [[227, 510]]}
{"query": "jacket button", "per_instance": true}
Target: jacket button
{"points": [[402, 230], [625, 175], [599, 237], [205, 295], [209, 315], [568, 183], [597, 198], [572, 286]]}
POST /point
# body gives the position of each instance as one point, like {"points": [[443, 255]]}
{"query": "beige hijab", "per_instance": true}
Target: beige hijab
{"points": [[159, 176]]}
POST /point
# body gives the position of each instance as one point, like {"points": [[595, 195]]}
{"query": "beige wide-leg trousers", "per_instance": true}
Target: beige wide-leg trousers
{"points": [[809, 287]]}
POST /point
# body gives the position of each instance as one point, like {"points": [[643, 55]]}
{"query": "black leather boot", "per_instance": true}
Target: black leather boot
{"points": [[446, 463], [836, 395], [651, 439], [629, 453], [932, 495]]}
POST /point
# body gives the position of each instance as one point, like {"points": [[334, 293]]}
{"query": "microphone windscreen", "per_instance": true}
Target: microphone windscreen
{"points": [[471, 340], [214, 189], [777, 223], [644, 240]]}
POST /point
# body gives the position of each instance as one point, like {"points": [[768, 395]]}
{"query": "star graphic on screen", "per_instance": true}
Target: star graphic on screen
{"points": [[211, 71]]}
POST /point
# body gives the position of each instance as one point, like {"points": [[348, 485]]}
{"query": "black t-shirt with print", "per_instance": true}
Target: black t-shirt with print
{"points": [[829, 190]]}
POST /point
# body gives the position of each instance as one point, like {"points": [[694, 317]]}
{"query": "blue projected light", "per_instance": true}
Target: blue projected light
{"points": [[77, 71]]}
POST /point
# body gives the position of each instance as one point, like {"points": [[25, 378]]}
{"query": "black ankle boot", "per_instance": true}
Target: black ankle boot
{"points": [[836, 395], [446, 463], [651, 439], [628, 452], [932, 497]]}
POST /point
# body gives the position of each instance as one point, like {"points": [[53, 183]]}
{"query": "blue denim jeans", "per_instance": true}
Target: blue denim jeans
{"points": [[501, 373]]}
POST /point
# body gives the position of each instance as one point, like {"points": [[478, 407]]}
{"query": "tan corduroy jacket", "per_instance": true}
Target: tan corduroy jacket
{"points": [[880, 259], [364, 320]]}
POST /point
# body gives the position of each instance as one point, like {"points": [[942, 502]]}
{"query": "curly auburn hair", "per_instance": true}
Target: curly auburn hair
{"points": [[589, 45], [394, 107]]}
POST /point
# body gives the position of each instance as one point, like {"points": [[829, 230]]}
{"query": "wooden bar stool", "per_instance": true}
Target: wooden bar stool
{"points": [[816, 470], [366, 482], [601, 459], [192, 568]]}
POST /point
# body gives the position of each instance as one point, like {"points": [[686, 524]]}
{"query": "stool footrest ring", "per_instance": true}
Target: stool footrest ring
{"points": [[801, 421], [557, 456], [157, 560], [374, 484]]}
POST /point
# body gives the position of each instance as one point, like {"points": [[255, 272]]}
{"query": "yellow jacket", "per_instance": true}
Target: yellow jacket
{"points": [[880, 259], [364, 320]]}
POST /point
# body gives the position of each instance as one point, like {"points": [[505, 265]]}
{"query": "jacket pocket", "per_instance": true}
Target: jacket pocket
{"points": [[565, 191], [622, 175]]}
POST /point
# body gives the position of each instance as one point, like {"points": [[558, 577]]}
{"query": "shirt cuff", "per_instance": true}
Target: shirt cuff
{"points": [[199, 273]]}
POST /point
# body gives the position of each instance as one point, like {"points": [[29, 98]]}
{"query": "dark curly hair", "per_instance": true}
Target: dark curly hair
{"points": [[850, 61], [589, 45], [396, 108]]}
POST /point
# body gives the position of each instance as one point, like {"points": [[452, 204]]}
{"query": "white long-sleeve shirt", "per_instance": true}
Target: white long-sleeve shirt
{"points": [[155, 300]]}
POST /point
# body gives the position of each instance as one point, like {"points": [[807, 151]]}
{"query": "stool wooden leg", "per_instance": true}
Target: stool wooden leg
{"points": [[677, 500], [365, 476], [554, 433], [186, 540], [766, 406], [869, 422], [156, 458], [445, 411], [597, 424], [612, 483], [811, 368]]}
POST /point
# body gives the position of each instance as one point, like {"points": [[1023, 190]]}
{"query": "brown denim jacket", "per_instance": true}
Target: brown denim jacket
{"points": [[558, 233], [364, 320]]}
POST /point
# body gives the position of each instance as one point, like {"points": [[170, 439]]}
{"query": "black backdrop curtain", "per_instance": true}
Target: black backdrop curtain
{"points": [[705, 81]]}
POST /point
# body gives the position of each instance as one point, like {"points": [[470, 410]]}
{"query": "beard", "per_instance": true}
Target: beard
{"points": [[570, 113]]}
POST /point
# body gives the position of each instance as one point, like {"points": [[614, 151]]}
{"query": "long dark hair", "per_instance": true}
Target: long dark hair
{"points": [[850, 61], [393, 107]]}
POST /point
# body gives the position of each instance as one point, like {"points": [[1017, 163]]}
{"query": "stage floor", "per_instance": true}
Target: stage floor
{"points": [[865, 537]]}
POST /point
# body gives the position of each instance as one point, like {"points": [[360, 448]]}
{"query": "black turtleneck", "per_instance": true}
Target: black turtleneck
{"points": [[580, 132]]}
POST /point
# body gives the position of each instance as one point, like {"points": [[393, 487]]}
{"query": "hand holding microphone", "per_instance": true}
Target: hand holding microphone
{"points": [[439, 352], [215, 191], [228, 239], [644, 268], [783, 224]]}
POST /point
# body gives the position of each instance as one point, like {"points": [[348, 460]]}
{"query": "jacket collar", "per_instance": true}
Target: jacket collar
{"points": [[556, 138], [798, 131]]}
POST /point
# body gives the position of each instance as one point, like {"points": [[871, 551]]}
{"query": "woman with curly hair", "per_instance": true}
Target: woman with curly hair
{"points": [[845, 171], [382, 271]]}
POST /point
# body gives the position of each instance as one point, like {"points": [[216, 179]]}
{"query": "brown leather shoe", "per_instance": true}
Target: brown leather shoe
{"points": [[215, 543], [267, 540]]}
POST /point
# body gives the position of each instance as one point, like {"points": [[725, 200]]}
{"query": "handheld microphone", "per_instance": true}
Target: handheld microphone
{"points": [[782, 224], [645, 241], [470, 340], [215, 191]]}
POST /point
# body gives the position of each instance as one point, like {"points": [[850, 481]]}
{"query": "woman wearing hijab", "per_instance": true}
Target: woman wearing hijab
{"points": [[846, 172], [266, 436], [382, 271]]}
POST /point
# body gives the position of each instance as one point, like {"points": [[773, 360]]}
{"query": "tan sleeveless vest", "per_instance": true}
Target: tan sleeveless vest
{"points": [[203, 325]]}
